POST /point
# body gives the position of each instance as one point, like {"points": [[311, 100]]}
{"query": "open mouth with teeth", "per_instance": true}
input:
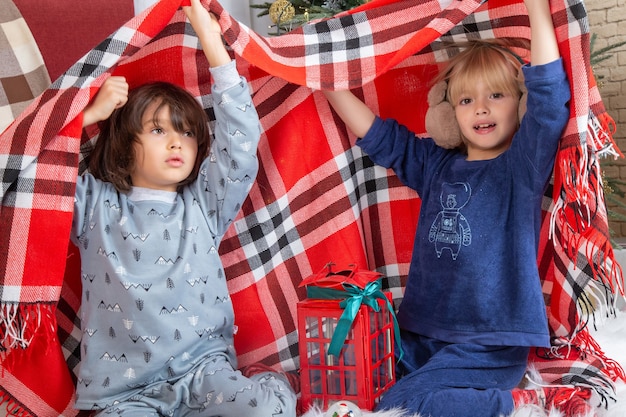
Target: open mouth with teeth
{"points": [[484, 126]]}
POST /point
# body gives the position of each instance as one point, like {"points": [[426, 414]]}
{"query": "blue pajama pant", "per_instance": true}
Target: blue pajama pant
{"points": [[439, 379], [214, 389]]}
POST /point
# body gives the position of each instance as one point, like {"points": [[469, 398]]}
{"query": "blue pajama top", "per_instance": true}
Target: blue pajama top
{"points": [[155, 303]]}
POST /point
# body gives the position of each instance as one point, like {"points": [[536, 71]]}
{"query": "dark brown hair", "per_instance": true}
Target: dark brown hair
{"points": [[113, 158]]}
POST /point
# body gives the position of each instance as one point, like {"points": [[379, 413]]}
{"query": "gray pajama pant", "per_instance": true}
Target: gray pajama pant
{"points": [[213, 389]]}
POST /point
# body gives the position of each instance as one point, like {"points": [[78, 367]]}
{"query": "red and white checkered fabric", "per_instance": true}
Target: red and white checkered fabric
{"points": [[317, 198]]}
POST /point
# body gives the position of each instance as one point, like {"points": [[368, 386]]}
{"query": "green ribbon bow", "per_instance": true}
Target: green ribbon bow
{"points": [[353, 297]]}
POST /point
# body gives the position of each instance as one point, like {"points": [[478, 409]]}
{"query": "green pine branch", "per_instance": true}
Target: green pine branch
{"points": [[598, 55]]}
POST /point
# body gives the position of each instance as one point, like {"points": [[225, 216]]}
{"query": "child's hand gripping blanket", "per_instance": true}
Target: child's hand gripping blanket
{"points": [[317, 198]]}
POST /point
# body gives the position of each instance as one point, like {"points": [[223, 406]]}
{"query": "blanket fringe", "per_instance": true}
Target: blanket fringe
{"points": [[12, 407], [602, 128], [610, 367], [579, 223], [580, 361], [580, 210], [20, 322]]}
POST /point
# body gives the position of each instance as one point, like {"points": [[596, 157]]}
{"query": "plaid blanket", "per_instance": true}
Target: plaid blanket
{"points": [[317, 199], [23, 75]]}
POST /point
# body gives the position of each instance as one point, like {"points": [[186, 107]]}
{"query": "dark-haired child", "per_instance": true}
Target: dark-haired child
{"points": [[157, 318]]}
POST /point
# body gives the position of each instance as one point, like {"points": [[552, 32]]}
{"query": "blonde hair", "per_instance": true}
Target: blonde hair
{"points": [[489, 61]]}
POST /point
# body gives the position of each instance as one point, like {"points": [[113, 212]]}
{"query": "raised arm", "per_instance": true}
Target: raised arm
{"points": [[354, 113], [209, 32], [112, 95], [543, 44]]}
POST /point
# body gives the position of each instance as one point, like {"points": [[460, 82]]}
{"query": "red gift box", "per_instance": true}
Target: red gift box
{"points": [[346, 330]]}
